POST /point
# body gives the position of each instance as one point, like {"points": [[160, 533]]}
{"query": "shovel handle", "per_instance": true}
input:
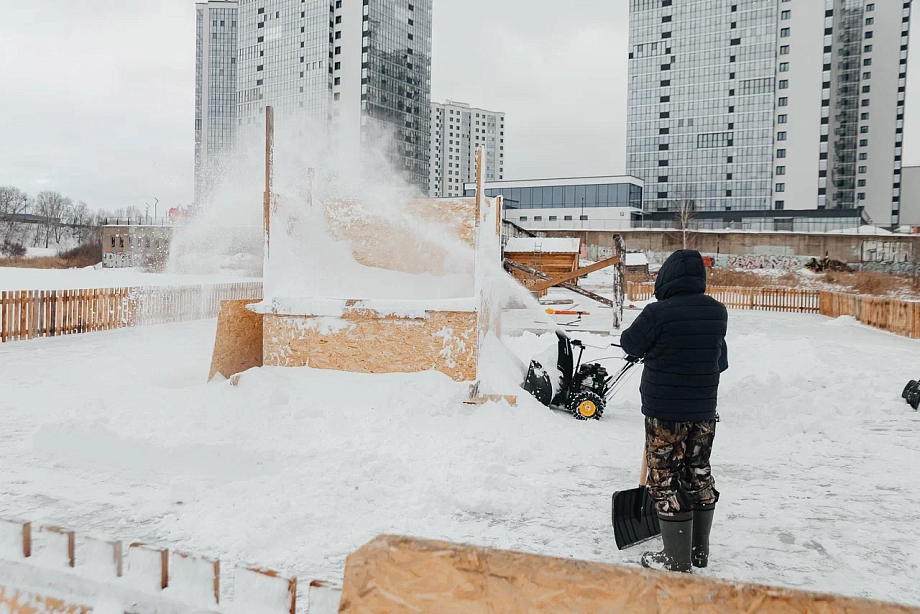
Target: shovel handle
{"points": [[643, 472]]}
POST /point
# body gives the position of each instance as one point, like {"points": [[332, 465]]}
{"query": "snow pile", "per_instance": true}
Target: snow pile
{"points": [[636, 259], [297, 468], [844, 321], [862, 230]]}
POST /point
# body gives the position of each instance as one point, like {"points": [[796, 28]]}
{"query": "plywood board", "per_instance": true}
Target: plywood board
{"points": [[364, 342], [18, 602], [238, 344], [401, 574], [411, 244]]}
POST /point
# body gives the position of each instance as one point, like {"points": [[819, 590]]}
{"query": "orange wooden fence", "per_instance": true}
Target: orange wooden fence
{"points": [[29, 314], [759, 299], [899, 317]]}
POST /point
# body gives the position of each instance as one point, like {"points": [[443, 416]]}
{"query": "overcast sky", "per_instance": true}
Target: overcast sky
{"points": [[97, 96]]}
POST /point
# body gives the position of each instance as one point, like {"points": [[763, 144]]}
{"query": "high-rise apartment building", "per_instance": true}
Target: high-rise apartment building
{"points": [[457, 131], [768, 104], [215, 89], [362, 68]]}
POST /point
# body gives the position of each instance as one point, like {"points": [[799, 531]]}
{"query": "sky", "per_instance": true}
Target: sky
{"points": [[97, 96]]}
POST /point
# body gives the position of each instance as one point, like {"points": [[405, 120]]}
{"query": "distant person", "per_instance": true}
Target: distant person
{"points": [[681, 339]]}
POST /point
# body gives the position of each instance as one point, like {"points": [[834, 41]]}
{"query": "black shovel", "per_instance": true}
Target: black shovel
{"points": [[634, 517]]}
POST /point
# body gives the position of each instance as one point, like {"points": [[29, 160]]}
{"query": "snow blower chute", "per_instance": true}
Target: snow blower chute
{"points": [[580, 389]]}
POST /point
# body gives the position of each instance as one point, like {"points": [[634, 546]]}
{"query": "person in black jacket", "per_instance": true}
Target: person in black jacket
{"points": [[681, 339]]}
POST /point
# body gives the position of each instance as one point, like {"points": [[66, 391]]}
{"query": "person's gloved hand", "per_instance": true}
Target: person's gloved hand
{"points": [[633, 359]]}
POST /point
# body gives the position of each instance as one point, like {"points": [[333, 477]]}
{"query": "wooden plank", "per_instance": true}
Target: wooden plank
{"points": [[555, 281], [148, 566], [263, 590], [196, 578], [567, 286], [3, 326], [59, 545], [102, 558], [401, 575], [15, 539]]}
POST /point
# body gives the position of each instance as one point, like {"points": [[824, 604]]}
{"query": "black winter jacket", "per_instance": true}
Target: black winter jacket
{"points": [[682, 340]]}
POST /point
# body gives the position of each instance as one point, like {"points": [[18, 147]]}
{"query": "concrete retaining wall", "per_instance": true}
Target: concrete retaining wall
{"points": [[888, 253]]}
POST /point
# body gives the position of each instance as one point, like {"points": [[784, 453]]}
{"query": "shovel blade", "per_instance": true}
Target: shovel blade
{"points": [[634, 517]]}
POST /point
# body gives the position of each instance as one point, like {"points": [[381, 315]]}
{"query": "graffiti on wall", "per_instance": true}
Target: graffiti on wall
{"points": [[747, 262], [784, 263], [113, 260], [886, 251], [899, 268], [597, 253]]}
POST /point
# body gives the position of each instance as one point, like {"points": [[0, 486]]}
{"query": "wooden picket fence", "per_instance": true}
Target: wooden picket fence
{"points": [[899, 317], [30, 314], [759, 299]]}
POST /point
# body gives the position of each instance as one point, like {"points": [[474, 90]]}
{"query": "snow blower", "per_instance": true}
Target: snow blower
{"points": [[911, 394], [582, 390]]}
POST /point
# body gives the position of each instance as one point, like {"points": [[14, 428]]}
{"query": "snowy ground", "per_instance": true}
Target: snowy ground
{"points": [[116, 433], [15, 278]]}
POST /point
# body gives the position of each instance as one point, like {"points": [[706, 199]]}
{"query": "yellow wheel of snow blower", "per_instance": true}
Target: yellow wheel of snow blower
{"points": [[587, 406], [587, 409]]}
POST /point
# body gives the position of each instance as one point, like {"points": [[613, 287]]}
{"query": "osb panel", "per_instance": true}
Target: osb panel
{"points": [[15, 602], [404, 245], [364, 342], [401, 574], [238, 343], [460, 213]]}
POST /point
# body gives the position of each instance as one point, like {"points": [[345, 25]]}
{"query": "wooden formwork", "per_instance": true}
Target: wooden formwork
{"points": [[239, 348], [401, 574], [427, 237], [45, 576], [363, 341]]}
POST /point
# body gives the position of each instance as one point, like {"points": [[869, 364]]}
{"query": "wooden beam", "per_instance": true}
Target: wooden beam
{"points": [[555, 281], [401, 574], [594, 297]]}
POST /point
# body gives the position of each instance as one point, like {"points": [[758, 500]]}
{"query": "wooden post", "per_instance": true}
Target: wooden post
{"points": [[22, 314], [480, 192], [269, 170], [3, 327], [619, 280]]}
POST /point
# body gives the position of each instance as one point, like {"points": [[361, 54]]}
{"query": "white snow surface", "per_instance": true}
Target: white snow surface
{"points": [[636, 259], [862, 230], [116, 433], [558, 245], [16, 278]]}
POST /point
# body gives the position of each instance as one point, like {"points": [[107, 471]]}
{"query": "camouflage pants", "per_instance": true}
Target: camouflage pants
{"points": [[679, 476]]}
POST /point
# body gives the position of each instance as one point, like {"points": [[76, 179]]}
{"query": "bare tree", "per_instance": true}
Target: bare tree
{"points": [[13, 203], [79, 220], [685, 207], [53, 207]]}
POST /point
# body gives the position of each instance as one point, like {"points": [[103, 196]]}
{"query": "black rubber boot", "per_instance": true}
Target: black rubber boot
{"points": [[678, 542], [702, 525]]}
